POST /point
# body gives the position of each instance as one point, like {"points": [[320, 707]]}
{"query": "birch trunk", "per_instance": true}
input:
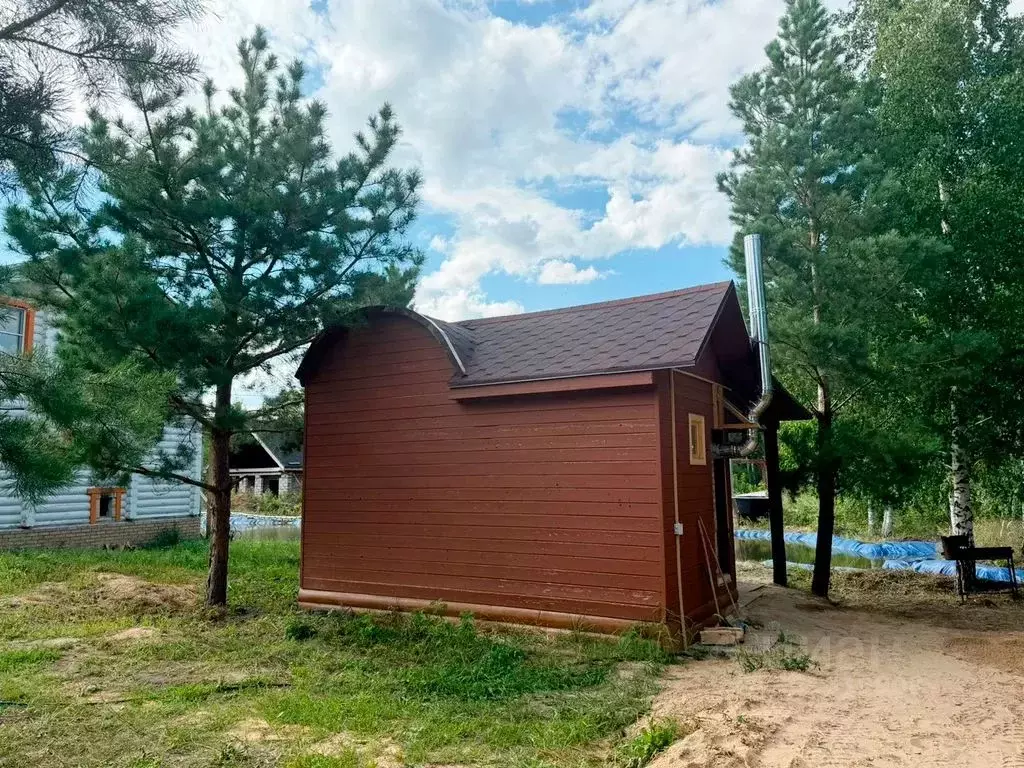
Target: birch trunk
{"points": [[871, 518], [887, 521], [961, 512]]}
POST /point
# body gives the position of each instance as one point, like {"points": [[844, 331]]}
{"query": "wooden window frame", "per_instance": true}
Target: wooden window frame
{"points": [[697, 438], [96, 494], [29, 329]]}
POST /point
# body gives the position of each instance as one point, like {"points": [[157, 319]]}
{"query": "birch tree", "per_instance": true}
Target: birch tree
{"points": [[952, 76]]}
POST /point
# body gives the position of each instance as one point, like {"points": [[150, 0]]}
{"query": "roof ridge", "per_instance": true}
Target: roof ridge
{"points": [[597, 304]]}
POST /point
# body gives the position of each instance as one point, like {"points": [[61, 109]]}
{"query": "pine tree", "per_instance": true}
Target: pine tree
{"points": [[74, 419], [50, 49], [804, 180], [227, 241]]}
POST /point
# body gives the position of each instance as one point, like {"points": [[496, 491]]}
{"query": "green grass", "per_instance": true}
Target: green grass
{"points": [[992, 526], [783, 655], [270, 685], [651, 741]]}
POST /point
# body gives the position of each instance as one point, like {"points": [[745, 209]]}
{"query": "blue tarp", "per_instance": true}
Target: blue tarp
{"points": [[882, 550], [240, 521], [948, 568]]}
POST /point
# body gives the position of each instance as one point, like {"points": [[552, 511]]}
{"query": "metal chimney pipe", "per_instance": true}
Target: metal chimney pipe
{"points": [[759, 337], [758, 320]]}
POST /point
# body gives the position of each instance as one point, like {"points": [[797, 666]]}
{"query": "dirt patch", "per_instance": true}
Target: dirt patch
{"points": [[921, 598], [257, 730], [134, 633], [143, 596], [111, 593], [885, 692], [1003, 651], [386, 754], [56, 643]]}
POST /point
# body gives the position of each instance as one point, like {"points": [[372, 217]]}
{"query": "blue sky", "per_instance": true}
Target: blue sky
{"points": [[569, 149]]}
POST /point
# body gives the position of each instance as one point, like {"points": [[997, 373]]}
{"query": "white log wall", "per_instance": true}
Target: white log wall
{"points": [[146, 498]]}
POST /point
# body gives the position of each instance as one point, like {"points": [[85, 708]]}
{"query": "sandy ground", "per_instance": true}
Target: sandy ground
{"points": [[887, 691]]}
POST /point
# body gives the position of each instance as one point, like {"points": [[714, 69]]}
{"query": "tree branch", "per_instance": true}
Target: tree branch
{"points": [[13, 29], [173, 476]]}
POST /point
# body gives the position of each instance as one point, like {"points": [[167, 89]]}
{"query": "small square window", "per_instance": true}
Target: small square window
{"points": [[15, 328], [105, 504], [698, 445]]}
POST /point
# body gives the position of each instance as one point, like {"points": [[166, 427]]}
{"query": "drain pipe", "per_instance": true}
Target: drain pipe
{"points": [[759, 337]]}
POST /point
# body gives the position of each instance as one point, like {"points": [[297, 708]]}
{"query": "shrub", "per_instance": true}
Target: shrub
{"points": [[283, 505], [298, 629], [167, 538], [642, 748], [780, 657]]}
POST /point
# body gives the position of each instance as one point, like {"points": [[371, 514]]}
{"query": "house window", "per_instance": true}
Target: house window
{"points": [[16, 325], [105, 504], [698, 446]]}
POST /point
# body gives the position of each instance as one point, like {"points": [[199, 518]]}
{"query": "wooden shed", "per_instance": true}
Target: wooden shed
{"points": [[550, 467]]}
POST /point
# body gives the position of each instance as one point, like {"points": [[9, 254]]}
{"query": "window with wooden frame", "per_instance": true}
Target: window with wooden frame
{"points": [[17, 324], [698, 440], [105, 504]]}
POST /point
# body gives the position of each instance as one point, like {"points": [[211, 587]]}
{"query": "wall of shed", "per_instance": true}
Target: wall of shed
{"points": [[531, 503], [696, 500]]}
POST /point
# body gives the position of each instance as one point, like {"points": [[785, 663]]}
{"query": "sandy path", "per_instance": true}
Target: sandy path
{"points": [[887, 693]]}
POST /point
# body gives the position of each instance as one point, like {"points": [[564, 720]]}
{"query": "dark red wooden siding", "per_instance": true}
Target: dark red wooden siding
{"points": [[545, 502], [696, 498]]}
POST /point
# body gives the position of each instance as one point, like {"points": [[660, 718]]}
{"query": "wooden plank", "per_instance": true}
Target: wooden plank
{"points": [[325, 547], [577, 536], [486, 411], [433, 429], [493, 508], [341, 443], [497, 587], [416, 467], [631, 611], [483, 476], [534, 522], [410, 571], [572, 459], [324, 490], [775, 518], [339, 539], [571, 384]]}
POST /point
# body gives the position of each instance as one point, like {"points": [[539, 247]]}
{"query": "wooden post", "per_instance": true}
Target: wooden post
{"points": [[771, 456]]}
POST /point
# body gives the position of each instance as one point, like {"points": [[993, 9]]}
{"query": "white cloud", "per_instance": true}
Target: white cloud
{"points": [[566, 273], [464, 303], [627, 99]]}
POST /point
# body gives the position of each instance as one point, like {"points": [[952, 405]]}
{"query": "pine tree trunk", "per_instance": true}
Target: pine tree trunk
{"points": [[826, 498], [887, 522], [219, 515], [871, 519]]}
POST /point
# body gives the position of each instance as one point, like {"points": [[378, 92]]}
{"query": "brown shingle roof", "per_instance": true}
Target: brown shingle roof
{"points": [[664, 330]]}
